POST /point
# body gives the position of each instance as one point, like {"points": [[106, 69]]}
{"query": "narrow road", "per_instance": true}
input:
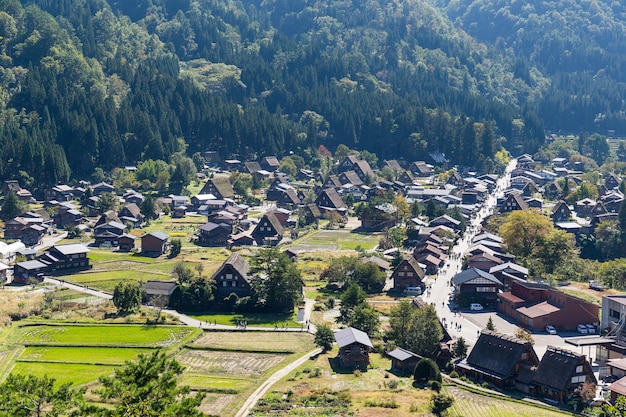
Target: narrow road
{"points": [[82, 288], [277, 376], [440, 288]]}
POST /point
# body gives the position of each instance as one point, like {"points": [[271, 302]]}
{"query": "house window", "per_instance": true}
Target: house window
{"points": [[400, 274], [229, 276], [409, 274], [579, 369], [234, 284], [224, 283], [577, 379]]}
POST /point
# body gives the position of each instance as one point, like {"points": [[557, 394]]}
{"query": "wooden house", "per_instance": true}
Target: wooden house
{"points": [[403, 361], [268, 231], [155, 243], [354, 348], [69, 256], [328, 200], [477, 286], [233, 277], [561, 212], [408, 274], [219, 187], [153, 289], [502, 360], [126, 242], [560, 373], [513, 202], [214, 234]]}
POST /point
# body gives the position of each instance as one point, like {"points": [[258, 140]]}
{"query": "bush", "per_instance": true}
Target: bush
{"points": [[393, 384], [454, 374], [435, 385], [440, 403], [426, 370], [356, 373]]}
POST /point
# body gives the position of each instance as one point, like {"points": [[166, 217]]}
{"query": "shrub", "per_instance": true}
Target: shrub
{"points": [[440, 403], [454, 374], [315, 373], [426, 370], [356, 373], [393, 384], [435, 385]]}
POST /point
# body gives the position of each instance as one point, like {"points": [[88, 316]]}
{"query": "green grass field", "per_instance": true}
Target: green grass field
{"points": [[253, 319], [86, 355], [111, 335], [77, 374], [338, 240]]}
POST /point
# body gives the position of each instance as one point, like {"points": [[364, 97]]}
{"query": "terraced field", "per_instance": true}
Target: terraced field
{"points": [[228, 363]]}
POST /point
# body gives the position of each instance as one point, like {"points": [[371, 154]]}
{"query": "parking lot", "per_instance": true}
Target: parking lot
{"points": [[542, 339]]}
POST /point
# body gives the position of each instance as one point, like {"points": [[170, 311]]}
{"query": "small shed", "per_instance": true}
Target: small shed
{"points": [[154, 289], [354, 348], [403, 360]]}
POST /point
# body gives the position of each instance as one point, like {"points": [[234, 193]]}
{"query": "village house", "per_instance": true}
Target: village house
{"points": [[354, 348], [561, 212], [403, 361], [163, 289], [219, 187], [380, 217], [504, 361], [155, 244], [126, 242], [329, 201], [560, 373], [233, 277], [408, 274], [63, 257], [476, 286], [269, 231], [214, 234], [513, 202]]}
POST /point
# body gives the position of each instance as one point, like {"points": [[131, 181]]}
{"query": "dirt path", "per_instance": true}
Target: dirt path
{"points": [[269, 382]]}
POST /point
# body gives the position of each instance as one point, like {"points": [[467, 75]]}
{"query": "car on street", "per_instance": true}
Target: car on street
{"points": [[582, 328], [591, 329], [476, 307], [550, 329]]}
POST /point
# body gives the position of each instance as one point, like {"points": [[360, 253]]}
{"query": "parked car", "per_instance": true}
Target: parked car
{"points": [[476, 307], [591, 329], [582, 328], [550, 329]]}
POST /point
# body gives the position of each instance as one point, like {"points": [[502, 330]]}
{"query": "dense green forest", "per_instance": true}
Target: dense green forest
{"points": [[97, 83], [577, 46]]}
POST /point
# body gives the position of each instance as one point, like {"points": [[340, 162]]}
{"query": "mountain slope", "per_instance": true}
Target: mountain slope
{"points": [[108, 83]]}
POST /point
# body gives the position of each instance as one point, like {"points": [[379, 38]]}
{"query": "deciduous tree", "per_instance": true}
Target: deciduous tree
{"points": [[523, 231], [278, 282], [127, 296]]}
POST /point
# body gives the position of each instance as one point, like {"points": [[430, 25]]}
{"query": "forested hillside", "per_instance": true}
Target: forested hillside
{"points": [[97, 83], [577, 45]]}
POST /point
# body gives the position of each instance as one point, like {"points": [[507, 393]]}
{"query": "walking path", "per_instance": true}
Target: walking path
{"points": [[277, 376], [440, 288]]}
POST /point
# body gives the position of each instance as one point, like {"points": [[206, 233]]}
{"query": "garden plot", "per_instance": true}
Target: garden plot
{"points": [[109, 335], [257, 341], [229, 363], [86, 355]]}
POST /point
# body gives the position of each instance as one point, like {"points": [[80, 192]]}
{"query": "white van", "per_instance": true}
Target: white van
{"points": [[476, 307], [581, 328], [413, 291]]}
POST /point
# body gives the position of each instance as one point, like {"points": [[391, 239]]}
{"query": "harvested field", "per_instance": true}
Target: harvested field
{"points": [[230, 363], [257, 341]]}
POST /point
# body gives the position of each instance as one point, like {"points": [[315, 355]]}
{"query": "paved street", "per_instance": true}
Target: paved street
{"points": [[440, 289], [472, 322]]}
